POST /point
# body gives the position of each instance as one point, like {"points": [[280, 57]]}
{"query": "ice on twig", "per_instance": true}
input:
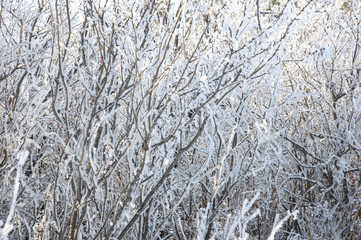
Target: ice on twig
{"points": [[22, 156]]}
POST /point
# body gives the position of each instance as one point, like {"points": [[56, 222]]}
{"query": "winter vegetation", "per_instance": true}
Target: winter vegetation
{"points": [[180, 119]]}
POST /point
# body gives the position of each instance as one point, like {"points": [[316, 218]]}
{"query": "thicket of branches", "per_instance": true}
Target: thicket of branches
{"points": [[162, 119]]}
